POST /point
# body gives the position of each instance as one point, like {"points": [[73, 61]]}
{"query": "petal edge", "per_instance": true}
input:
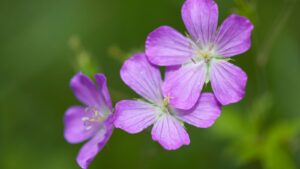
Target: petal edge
{"points": [[143, 77], [74, 131], [90, 149], [228, 82], [204, 113], [201, 19], [170, 133], [234, 36], [166, 47], [133, 116]]}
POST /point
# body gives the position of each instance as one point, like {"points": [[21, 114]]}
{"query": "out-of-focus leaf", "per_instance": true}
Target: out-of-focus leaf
{"points": [[276, 152], [229, 125], [233, 124], [119, 55], [245, 149], [259, 111], [252, 140], [83, 61]]}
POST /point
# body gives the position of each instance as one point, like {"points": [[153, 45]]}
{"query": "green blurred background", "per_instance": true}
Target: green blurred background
{"points": [[43, 43]]}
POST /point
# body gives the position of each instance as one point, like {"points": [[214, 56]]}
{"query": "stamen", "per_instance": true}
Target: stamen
{"points": [[194, 61], [93, 116], [87, 123], [167, 100], [165, 107]]}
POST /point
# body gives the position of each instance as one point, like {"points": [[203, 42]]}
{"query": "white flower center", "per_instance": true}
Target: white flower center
{"points": [[202, 52], [206, 53], [93, 116]]}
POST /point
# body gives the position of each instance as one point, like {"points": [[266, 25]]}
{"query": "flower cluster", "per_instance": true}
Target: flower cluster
{"points": [[191, 61]]}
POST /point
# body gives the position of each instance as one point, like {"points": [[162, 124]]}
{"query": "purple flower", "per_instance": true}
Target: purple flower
{"points": [[134, 116], [94, 121], [203, 56]]}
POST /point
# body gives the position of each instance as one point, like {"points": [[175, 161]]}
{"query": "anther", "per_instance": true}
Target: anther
{"points": [[93, 116]]}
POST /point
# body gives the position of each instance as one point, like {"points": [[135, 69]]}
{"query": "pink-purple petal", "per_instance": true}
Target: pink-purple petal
{"points": [[90, 149], [204, 113], [234, 36], [75, 131], [228, 82], [133, 116], [102, 84], [201, 19], [86, 91], [170, 133], [183, 84], [166, 47], [143, 77]]}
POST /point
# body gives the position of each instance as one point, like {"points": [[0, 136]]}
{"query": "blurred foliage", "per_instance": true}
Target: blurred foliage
{"points": [[119, 55], [246, 8], [255, 140], [43, 43], [82, 60]]}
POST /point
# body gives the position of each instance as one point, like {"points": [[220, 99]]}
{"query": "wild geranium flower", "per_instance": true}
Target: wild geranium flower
{"points": [[93, 121], [203, 56], [134, 116]]}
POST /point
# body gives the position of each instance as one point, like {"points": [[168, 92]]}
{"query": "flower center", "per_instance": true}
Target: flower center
{"points": [[206, 55], [93, 117], [166, 101], [202, 52], [165, 106]]}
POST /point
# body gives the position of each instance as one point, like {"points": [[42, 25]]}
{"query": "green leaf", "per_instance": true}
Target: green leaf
{"points": [[230, 124], [276, 151]]}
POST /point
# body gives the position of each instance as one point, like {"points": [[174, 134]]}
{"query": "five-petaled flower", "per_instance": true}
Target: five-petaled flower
{"points": [[203, 56], [134, 116], [191, 62], [94, 121]]}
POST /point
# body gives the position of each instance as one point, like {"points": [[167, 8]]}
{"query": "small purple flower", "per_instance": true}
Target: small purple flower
{"points": [[133, 116], [94, 121], [203, 56]]}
